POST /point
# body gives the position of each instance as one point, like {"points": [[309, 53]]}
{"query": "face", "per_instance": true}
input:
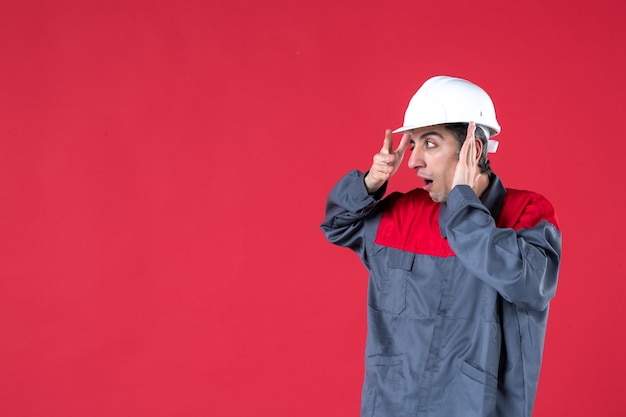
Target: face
{"points": [[434, 155]]}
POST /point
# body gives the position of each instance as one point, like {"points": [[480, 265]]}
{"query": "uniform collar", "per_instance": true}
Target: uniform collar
{"points": [[493, 196]]}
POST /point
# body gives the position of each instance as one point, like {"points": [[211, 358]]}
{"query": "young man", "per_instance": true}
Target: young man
{"points": [[462, 270]]}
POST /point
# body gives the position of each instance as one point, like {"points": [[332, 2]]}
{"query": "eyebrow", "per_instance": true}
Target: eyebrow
{"points": [[432, 132], [429, 133]]}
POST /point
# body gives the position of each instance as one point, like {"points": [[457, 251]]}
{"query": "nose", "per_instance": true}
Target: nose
{"points": [[416, 159]]}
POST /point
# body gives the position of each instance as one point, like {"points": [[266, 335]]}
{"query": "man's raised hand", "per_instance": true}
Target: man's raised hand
{"points": [[386, 162], [467, 171]]}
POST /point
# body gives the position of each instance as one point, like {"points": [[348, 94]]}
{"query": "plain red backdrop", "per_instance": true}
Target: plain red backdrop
{"points": [[163, 172]]}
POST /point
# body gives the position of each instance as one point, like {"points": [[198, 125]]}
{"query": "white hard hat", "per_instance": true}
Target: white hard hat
{"points": [[444, 99]]}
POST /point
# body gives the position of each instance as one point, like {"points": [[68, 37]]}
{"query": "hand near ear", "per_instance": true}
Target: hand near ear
{"points": [[467, 170]]}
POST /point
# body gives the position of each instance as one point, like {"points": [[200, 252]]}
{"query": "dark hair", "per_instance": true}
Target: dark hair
{"points": [[459, 131]]}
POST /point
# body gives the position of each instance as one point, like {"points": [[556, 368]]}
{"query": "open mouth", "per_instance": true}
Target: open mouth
{"points": [[428, 182]]}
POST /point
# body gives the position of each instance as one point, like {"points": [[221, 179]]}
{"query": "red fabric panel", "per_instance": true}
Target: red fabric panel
{"points": [[525, 210], [402, 226]]}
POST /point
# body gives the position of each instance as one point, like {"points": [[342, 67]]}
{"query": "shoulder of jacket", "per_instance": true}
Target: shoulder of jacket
{"points": [[525, 209]]}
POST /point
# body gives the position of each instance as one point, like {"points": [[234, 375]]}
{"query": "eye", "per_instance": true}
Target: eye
{"points": [[411, 144], [430, 144]]}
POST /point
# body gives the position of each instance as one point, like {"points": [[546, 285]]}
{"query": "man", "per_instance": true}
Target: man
{"points": [[462, 270]]}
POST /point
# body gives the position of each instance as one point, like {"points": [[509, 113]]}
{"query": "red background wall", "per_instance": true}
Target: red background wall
{"points": [[163, 172]]}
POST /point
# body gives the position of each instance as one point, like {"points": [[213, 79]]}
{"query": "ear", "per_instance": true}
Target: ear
{"points": [[479, 148]]}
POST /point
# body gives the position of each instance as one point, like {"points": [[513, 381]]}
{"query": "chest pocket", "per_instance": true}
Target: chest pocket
{"points": [[392, 283]]}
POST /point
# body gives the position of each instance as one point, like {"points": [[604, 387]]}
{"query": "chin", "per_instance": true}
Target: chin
{"points": [[438, 198]]}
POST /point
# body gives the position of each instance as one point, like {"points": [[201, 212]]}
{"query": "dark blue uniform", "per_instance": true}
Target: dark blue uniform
{"points": [[458, 296]]}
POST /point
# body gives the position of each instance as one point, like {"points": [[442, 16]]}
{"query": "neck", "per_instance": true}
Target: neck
{"points": [[481, 184]]}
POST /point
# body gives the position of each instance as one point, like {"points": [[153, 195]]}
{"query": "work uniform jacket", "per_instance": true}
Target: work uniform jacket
{"points": [[458, 296]]}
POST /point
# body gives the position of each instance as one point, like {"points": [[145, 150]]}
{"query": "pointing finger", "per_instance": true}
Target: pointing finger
{"points": [[387, 143]]}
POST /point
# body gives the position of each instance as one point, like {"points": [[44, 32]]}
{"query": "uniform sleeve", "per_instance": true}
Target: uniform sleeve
{"points": [[347, 207], [522, 264]]}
